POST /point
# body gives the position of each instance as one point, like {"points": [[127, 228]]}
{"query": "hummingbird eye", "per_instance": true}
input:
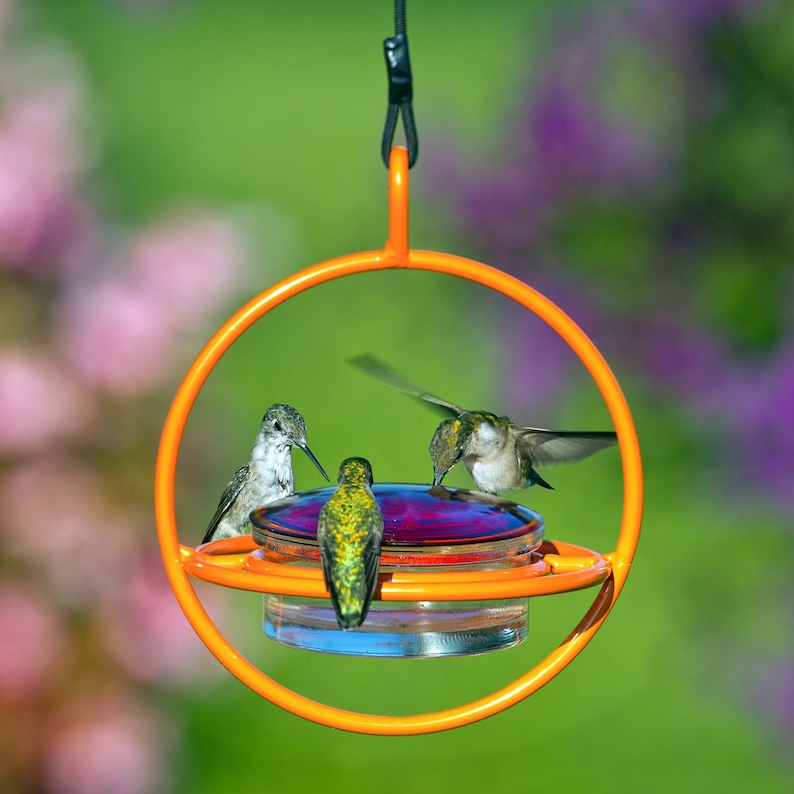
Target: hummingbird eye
{"points": [[277, 425]]}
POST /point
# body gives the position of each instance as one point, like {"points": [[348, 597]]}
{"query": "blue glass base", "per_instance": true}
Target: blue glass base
{"points": [[396, 630]]}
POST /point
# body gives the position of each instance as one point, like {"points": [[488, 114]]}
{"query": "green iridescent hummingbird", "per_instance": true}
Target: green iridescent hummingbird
{"points": [[500, 455], [349, 533], [266, 477]]}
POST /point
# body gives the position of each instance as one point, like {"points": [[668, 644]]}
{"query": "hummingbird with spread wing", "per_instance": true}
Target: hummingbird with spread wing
{"points": [[266, 477], [500, 455], [349, 534]]}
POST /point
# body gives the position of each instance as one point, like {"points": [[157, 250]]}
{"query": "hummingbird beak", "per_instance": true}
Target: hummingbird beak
{"points": [[438, 477], [310, 456]]}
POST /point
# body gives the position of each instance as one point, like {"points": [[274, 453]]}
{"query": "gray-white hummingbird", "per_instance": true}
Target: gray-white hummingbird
{"points": [[349, 534], [500, 455], [266, 477]]}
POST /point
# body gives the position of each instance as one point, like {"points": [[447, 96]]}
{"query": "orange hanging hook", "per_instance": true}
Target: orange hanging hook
{"points": [[397, 244], [396, 254]]}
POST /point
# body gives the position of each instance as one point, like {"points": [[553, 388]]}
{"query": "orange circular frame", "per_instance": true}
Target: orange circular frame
{"points": [[396, 254]]}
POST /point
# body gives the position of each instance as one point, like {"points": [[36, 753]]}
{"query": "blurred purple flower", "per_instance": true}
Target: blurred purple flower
{"points": [[40, 404], [506, 212], [758, 408], [32, 643], [774, 692], [109, 743], [681, 360], [750, 401], [538, 359], [540, 370], [568, 152], [695, 13], [569, 145], [574, 147], [147, 632]]}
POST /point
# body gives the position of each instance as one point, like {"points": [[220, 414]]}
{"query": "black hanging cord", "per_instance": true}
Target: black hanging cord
{"points": [[401, 92]]}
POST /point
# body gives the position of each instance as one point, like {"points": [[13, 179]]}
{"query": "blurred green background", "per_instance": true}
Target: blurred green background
{"points": [[273, 112]]}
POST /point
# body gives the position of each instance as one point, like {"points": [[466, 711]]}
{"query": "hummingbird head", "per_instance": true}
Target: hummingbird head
{"points": [[284, 426], [489, 433], [447, 446], [355, 471]]}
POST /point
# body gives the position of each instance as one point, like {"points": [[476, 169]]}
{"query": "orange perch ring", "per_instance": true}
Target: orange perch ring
{"points": [[568, 567], [557, 568]]}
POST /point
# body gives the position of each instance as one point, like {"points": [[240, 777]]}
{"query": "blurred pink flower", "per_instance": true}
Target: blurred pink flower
{"points": [[122, 335], [40, 404], [54, 519], [32, 643], [40, 158], [148, 633], [108, 744], [117, 339], [189, 264]]}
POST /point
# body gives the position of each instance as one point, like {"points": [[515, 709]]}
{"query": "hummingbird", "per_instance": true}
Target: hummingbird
{"points": [[500, 455], [349, 534], [266, 477]]}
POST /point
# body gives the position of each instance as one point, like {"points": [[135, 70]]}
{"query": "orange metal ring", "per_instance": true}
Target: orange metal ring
{"points": [[396, 254]]}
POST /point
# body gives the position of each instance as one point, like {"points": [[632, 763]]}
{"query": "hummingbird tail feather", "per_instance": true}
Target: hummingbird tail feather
{"points": [[350, 620], [208, 536], [535, 479]]}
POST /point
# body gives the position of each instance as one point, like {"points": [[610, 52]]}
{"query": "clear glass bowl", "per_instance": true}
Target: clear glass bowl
{"points": [[428, 529]]}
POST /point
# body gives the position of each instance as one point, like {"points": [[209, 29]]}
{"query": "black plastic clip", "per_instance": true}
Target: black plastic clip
{"points": [[401, 92]]}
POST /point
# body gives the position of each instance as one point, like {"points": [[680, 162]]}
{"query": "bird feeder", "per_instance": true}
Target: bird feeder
{"points": [[550, 567], [427, 531]]}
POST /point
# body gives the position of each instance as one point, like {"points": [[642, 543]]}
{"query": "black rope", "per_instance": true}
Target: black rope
{"points": [[401, 91], [399, 17]]}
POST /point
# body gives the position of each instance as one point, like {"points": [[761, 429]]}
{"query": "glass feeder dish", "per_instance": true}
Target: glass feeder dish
{"points": [[427, 530]]}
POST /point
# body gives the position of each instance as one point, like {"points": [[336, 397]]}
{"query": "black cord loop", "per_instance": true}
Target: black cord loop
{"points": [[398, 68]]}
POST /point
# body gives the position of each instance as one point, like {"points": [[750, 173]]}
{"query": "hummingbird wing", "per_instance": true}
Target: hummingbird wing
{"points": [[229, 495], [350, 595], [372, 560], [378, 369], [544, 447]]}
